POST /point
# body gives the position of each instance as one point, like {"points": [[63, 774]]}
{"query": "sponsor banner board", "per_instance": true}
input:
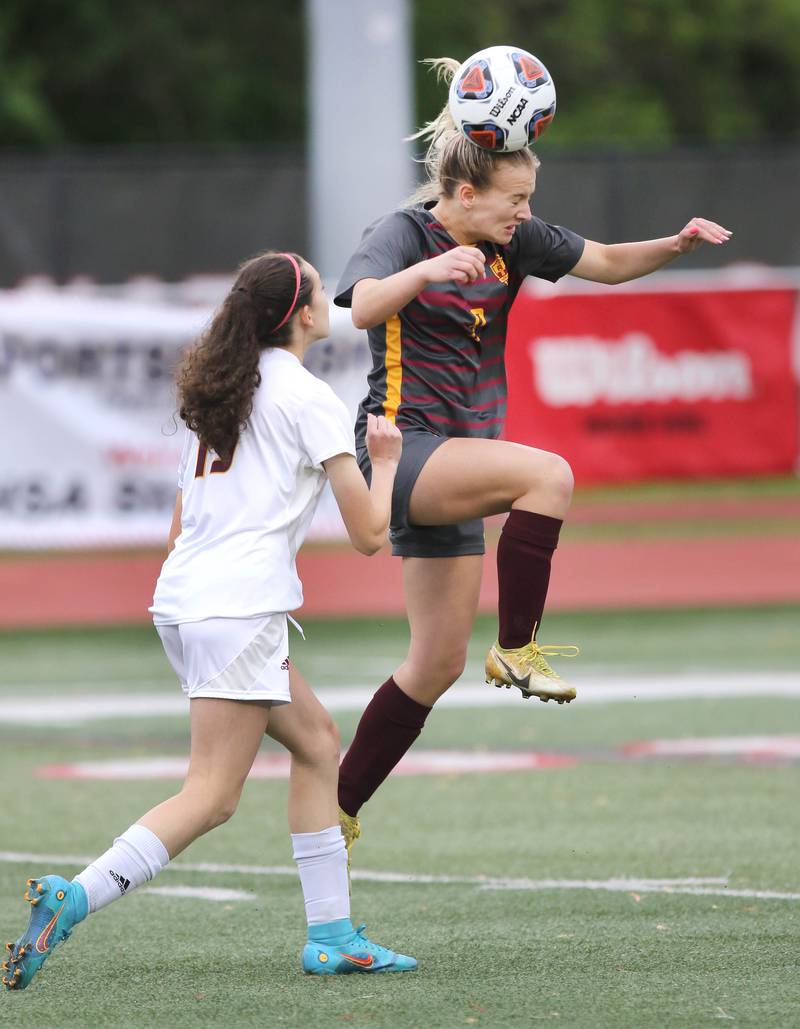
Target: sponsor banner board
{"points": [[91, 434], [635, 385], [627, 384]]}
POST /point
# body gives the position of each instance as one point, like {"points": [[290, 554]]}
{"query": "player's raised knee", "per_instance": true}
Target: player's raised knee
{"points": [[553, 473], [563, 476]]}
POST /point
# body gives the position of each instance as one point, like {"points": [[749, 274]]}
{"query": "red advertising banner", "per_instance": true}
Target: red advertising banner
{"points": [[630, 385]]}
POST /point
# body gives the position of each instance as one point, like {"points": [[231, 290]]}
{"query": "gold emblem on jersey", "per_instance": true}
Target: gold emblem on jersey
{"points": [[498, 266], [479, 322]]}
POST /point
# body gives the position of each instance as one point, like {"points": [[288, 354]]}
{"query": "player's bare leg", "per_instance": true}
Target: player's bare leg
{"points": [[334, 947], [310, 735], [225, 738], [471, 478], [441, 603], [226, 735], [462, 480], [441, 600]]}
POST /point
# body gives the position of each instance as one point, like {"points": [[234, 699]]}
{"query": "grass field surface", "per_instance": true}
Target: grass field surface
{"points": [[613, 891]]}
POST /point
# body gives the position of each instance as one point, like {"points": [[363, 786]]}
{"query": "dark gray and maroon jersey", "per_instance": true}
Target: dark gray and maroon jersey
{"points": [[438, 364]]}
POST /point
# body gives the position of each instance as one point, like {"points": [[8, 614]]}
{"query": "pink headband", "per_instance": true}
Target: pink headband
{"points": [[297, 277]]}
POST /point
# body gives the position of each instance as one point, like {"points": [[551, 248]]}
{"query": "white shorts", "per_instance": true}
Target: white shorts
{"points": [[231, 658]]}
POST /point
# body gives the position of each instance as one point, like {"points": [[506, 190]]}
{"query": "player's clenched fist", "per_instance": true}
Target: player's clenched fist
{"points": [[461, 264], [384, 439]]}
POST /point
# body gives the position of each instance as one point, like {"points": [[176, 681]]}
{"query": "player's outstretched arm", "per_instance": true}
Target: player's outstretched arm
{"points": [[376, 300], [366, 510], [613, 263]]}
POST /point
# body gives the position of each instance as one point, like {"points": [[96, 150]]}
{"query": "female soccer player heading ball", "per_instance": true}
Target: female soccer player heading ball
{"points": [[433, 284], [262, 436]]}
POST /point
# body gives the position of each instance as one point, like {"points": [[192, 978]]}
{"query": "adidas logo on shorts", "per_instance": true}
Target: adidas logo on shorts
{"points": [[120, 880], [285, 665]]}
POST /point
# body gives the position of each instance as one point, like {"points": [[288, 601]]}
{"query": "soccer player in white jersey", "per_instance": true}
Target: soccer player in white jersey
{"points": [[263, 435]]}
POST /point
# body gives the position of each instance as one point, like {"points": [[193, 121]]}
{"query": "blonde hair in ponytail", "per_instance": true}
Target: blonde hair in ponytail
{"points": [[450, 157]]}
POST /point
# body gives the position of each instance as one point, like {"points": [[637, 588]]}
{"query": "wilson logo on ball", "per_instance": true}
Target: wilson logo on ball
{"points": [[507, 84]]}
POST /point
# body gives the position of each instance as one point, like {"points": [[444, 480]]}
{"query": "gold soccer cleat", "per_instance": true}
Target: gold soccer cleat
{"points": [[351, 830], [527, 669]]}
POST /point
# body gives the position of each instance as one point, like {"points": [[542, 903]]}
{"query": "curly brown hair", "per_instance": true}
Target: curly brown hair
{"points": [[219, 374]]}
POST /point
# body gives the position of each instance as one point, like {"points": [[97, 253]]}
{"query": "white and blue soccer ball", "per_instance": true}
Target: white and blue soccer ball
{"points": [[502, 98]]}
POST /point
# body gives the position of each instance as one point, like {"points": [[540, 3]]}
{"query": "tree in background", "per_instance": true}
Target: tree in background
{"points": [[157, 71], [640, 72], [628, 72]]}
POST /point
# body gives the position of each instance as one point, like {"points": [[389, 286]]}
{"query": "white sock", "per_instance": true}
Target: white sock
{"points": [[322, 863], [136, 857]]}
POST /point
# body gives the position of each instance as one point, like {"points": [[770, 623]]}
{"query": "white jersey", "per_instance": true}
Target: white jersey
{"points": [[244, 521]]}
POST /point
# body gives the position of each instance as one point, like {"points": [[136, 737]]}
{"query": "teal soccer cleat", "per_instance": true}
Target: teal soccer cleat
{"points": [[357, 954], [58, 906]]}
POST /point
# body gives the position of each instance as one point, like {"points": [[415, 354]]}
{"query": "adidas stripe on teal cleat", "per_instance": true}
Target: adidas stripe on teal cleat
{"points": [[357, 954], [58, 906]]}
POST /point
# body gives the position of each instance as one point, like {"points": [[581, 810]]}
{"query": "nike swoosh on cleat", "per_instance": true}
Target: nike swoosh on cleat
{"points": [[515, 679], [43, 940], [363, 962]]}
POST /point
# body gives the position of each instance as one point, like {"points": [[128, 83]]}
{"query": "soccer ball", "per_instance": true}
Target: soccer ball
{"points": [[502, 98]]}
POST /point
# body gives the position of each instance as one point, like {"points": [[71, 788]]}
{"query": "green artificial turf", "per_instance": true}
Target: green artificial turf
{"points": [[566, 955]]}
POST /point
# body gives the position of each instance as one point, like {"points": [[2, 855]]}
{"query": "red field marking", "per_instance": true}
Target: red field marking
{"points": [[102, 589], [742, 748], [453, 762], [277, 766]]}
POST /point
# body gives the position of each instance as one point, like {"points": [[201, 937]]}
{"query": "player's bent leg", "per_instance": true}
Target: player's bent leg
{"points": [[441, 602], [466, 477], [333, 947], [225, 737], [57, 907], [310, 735], [524, 554], [474, 478], [441, 596]]}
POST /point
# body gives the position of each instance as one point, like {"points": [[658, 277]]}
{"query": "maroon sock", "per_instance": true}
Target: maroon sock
{"points": [[526, 546], [388, 727]]}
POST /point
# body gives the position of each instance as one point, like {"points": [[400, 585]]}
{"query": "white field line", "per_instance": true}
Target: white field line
{"points": [[58, 709], [713, 887], [200, 893], [639, 886]]}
